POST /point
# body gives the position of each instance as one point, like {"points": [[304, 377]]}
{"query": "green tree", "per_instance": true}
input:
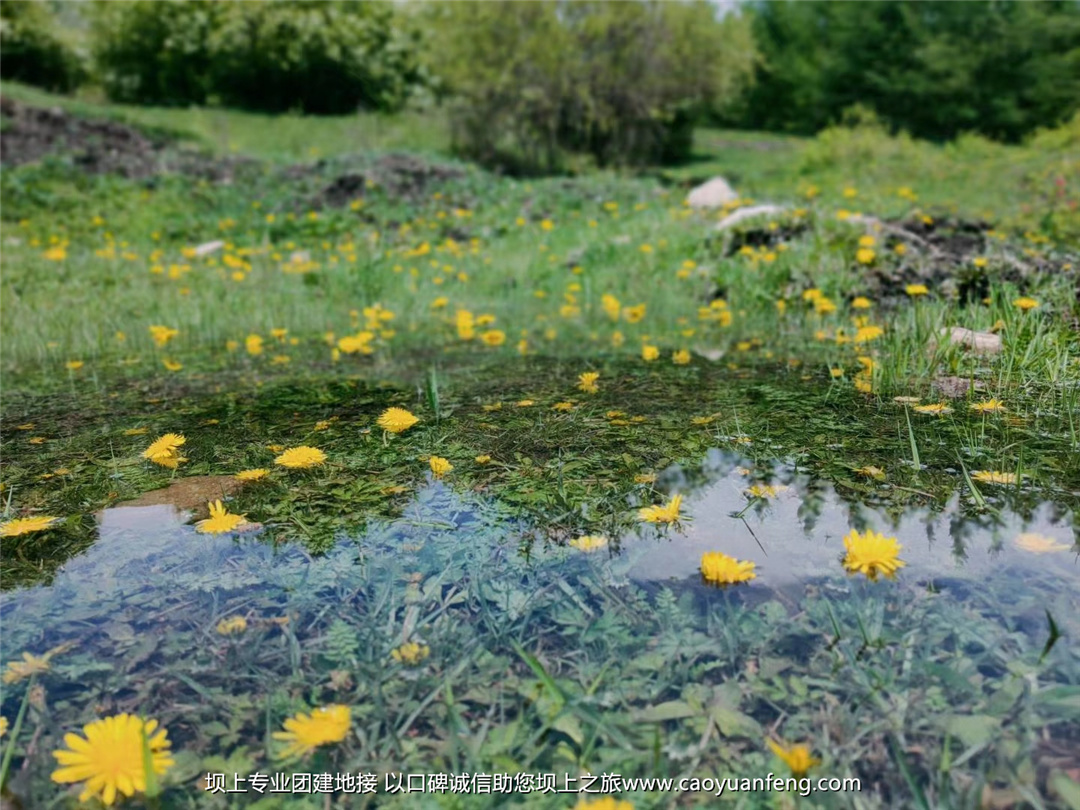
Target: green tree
{"points": [[32, 52]]}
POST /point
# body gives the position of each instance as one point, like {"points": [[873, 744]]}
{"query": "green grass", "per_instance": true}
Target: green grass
{"points": [[287, 138]]}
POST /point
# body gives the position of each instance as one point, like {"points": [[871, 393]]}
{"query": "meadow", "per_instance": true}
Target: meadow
{"points": [[434, 427]]}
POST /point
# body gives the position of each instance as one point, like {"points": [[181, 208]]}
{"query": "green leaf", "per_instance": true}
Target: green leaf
{"points": [[671, 710], [973, 729]]}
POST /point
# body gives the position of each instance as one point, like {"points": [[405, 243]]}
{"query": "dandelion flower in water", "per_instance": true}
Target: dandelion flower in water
{"points": [[396, 420], [1038, 544], [872, 553], [589, 542], [718, 568], [668, 513], [220, 520], [111, 757], [305, 732], [301, 458]]}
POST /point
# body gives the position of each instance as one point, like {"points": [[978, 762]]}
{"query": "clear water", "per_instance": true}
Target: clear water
{"points": [[142, 606]]}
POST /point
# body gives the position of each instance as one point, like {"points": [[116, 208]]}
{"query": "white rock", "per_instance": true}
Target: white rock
{"points": [[734, 218], [206, 248], [712, 194], [979, 342]]}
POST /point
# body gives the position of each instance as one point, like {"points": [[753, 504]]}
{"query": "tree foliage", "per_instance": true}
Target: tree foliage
{"points": [[30, 50], [934, 69], [317, 56], [532, 83]]}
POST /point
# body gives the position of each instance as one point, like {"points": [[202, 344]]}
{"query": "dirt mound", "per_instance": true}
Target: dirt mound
{"points": [[99, 146], [402, 177]]}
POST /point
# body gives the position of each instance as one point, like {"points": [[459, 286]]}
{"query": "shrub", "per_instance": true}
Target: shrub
{"points": [[624, 83], [316, 56], [31, 52]]}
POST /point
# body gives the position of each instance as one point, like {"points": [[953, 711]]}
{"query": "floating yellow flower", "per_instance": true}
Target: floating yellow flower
{"points": [[305, 732], [587, 382], [231, 625], [915, 290], [994, 477], [589, 542], [1024, 303], [220, 521], [989, 406], [933, 409], [798, 757], [440, 466], [110, 758], [872, 553], [165, 451], [396, 420], [681, 357], [410, 653], [668, 513], [649, 353], [765, 490], [31, 664], [21, 526], [1038, 544], [719, 569], [301, 458]]}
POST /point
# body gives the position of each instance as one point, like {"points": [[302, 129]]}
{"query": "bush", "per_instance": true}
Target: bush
{"points": [[316, 56], [625, 83], [31, 52]]}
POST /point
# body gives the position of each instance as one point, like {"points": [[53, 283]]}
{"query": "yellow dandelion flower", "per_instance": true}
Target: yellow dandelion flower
{"points": [[649, 353], [171, 365], [253, 344], [1038, 544], [563, 406], [301, 458], [162, 334], [30, 664], [493, 337], [861, 302], [765, 490], [589, 543], [411, 653], [989, 406], [872, 553], [524, 403], [305, 732], [231, 625], [74, 365], [994, 477], [483, 459], [3, 727], [396, 420], [165, 451], [871, 471], [718, 568], [220, 520], [587, 382], [797, 757], [439, 466], [668, 513], [933, 409], [1024, 303], [915, 290], [865, 255], [645, 478], [21, 526], [681, 357], [111, 757]]}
